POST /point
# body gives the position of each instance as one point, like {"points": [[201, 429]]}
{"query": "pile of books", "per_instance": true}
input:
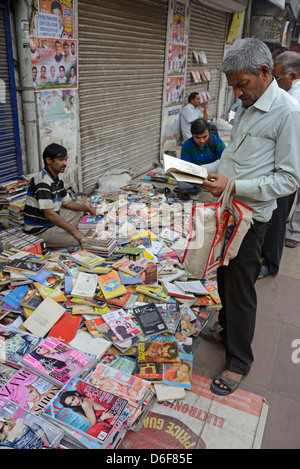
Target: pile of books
{"points": [[112, 325], [12, 202], [100, 241], [15, 238]]}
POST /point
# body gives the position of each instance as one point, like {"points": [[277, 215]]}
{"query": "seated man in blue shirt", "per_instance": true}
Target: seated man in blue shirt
{"points": [[202, 148]]}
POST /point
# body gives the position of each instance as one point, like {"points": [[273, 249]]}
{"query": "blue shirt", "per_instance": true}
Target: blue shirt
{"points": [[191, 152]]}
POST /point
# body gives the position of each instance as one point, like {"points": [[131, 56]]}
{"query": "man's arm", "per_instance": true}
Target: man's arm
{"points": [[204, 110], [72, 205], [57, 220]]}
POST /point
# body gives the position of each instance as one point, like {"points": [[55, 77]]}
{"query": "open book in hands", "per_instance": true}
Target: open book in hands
{"points": [[184, 170]]}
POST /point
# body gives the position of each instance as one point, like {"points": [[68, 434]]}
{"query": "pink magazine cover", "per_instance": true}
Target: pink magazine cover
{"points": [[29, 391], [57, 360]]}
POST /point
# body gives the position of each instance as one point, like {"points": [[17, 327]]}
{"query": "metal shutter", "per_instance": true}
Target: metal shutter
{"points": [[208, 29], [121, 73], [10, 158]]}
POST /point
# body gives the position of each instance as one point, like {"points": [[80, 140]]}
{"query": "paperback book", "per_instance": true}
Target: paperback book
{"points": [[55, 293], [154, 292], [85, 285], [86, 258], [121, 324], [150, 319], [44, 317], [111, 285], [158, 352], [32, 299], [131, 267], [179, 374], [47, 278]]}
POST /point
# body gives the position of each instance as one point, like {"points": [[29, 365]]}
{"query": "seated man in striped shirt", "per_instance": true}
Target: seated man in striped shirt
{"points": [[202, 148], [49, 210]]}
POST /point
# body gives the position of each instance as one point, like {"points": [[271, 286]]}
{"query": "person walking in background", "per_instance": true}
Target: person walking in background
{"points": [[286, 72]]}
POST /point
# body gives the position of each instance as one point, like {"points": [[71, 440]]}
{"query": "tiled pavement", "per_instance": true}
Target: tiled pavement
{"points": [[274, 374]]}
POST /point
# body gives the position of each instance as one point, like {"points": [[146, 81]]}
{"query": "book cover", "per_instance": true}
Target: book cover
{"points": [[121, 324], [158, 352], [180, 373], [97, 413], [86, 258], [127, 279], [131, 267], [44, 317], [85, 285], [150, 319], [55, 293], [49, 279], [170, 313], [24, 265], [28, 390], [111, 285], [32, 299], [154, 292], [150, 274], [149, 371], [66, 327], [59, 361], [15, 296]]}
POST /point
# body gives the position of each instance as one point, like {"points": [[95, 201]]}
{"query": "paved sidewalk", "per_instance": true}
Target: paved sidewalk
{"points": [[274, 375]]}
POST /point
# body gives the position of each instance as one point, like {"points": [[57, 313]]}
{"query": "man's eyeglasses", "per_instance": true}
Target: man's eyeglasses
{"points": [[277, 79]]}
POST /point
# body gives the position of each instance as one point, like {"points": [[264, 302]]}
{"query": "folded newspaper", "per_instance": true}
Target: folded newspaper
{"points": [[202, 420], [184, 171]]}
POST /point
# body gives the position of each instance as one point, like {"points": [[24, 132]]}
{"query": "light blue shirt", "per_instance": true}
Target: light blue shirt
{"points": [[188, 115], [263, 155]]}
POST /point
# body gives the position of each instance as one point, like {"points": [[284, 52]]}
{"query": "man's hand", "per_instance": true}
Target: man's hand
{"points": [[91, 209], [78, 235], [216, 183]]}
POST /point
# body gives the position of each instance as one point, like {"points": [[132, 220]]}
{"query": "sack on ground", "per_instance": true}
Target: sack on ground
{"points": [[113, 180], [217, 230]]}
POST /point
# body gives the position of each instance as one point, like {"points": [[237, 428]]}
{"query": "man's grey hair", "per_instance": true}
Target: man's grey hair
{"points": [[290, 61], [247, 55]]}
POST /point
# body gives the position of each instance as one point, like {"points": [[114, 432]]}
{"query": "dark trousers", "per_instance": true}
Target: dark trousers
{"points": [[236, 284], [275, 235]]}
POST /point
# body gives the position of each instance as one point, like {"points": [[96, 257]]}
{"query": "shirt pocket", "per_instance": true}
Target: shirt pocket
{"points": [[256, 152]]}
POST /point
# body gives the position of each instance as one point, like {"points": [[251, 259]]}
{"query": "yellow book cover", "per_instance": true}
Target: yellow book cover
{"points": [[111, 285], [55, 293], [155, 292]]}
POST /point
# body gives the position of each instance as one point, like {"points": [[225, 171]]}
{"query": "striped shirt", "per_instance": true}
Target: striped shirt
{"points": [[191, 152], [44, 192]]}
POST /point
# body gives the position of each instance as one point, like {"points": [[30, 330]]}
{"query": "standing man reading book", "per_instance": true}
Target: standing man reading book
{"points": [[190, 113], [49, 210], [263, 159]]}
